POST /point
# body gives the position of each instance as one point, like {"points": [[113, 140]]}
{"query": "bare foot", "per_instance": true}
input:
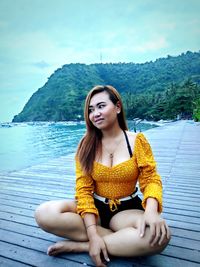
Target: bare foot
{"points": [[67, 246]]}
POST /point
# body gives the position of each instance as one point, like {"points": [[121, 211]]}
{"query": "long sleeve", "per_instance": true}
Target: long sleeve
{"points": [[84, 192], [149, 180]]}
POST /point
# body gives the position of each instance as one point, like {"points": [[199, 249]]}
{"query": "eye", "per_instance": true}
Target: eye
{"points": [[101, 106], [90, 110]]}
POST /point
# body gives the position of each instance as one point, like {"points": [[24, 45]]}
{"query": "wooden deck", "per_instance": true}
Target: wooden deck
{"points": [[176, 148]]}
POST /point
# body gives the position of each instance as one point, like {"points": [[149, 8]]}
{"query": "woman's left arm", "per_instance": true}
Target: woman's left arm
{"points": [[159, 230], [151, 187]]}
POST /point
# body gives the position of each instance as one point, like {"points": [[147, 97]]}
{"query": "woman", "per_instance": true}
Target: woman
{"points": [[108, 218]]}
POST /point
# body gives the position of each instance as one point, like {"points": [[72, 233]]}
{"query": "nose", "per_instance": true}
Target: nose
{"points": [[97, 113]]}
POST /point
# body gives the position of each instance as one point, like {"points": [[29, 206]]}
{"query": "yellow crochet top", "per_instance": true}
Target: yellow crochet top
{"points": [[120, 180]]}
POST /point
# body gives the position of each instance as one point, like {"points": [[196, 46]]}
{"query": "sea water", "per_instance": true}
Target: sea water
{"points": [[27, 144]]}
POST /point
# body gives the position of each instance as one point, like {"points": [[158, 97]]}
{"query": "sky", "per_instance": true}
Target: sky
{"points": [[37, 37]]}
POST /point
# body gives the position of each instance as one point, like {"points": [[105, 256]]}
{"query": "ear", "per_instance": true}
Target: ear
{"points": [[118, 107]]}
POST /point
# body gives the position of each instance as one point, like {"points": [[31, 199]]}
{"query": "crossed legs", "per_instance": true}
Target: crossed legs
{"points": [[122, 239]]}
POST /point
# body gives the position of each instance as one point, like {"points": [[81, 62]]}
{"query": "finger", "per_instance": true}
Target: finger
{"points": [[166, 234], [142, 227], [105, 254], [157, 235], [163, 234], [152, 233], [168, 231], [97, 260]]}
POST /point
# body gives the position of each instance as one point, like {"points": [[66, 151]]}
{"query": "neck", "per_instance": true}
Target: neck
{"points": [[113, 132]]}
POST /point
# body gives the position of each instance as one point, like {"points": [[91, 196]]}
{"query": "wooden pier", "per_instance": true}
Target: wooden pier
{"points": [[176, 148]]}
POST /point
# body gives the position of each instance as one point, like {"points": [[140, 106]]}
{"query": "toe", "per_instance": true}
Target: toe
{"points": [[52, 250]]}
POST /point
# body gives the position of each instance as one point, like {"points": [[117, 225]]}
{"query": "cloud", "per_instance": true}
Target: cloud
{"points": [[148, 46], [41, 64]]}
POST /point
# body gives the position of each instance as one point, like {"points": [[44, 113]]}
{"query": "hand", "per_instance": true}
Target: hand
{"points": [[96, 247], [159, 230]]}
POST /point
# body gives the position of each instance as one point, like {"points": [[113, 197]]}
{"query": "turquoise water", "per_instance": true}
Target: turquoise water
{"points": [[28, 144]]}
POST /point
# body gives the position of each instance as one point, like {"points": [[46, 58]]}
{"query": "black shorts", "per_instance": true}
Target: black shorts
{"points": [[106, 214]]}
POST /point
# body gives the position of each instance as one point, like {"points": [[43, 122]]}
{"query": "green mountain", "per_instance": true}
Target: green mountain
{"points": [[62, 97]]}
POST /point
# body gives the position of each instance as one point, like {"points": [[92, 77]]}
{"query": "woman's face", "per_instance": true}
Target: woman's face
{"points": [[102, 111]]}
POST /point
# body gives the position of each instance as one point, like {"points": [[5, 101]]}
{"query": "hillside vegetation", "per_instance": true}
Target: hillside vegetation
{"points": [[154, 90]]}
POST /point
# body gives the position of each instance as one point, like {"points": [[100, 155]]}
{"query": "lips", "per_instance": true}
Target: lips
{"points": [[98, 120]]}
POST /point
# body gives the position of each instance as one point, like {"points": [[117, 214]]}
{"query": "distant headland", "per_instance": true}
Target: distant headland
{"points": [[163, 89]]}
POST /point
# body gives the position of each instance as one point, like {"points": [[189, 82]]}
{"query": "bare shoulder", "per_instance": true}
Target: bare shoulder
{"points": [[131, 137]]}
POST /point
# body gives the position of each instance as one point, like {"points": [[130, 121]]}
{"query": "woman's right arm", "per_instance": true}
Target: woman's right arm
{"points": [[86, 208], [84, 192], [96, 243]]}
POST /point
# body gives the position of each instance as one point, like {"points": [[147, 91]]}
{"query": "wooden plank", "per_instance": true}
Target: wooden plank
{"points": [[169, 201], [33, 191], [22, 199], [16, 210], [185, 233], [17, 218], [183, 187], [191, 255], [33, 257], [29, 230], [5, 262], [32, 196], [183, 218], [181, 196], [13, 203], [165, 261], [183, 225], [180, 211], [182, 242]]}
